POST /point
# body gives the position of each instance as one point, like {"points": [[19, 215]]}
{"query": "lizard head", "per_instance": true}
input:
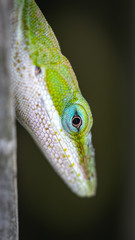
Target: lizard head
{"points": [[77, 122], [66, 136], [49, 103]]}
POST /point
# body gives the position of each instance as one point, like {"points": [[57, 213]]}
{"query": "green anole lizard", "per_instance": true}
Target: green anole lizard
{"points": [[48, 100]]}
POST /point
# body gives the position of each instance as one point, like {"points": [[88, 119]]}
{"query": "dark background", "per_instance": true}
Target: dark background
{"points": [[96, 37]]}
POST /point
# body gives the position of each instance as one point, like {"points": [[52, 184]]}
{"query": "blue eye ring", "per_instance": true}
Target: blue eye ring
{"points": [[75, 120]]}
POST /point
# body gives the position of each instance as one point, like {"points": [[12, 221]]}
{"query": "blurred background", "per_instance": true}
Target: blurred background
{"points": [[96, 37]]}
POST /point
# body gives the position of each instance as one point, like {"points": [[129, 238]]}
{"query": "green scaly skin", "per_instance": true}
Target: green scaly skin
{"points": [[47, 96]]}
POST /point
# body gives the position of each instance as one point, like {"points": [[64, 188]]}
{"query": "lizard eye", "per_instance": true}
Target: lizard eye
{"points": [[75, 119], [37, 70]]}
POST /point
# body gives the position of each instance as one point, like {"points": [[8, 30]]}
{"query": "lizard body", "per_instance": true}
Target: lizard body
{"points": [[48, 100]]}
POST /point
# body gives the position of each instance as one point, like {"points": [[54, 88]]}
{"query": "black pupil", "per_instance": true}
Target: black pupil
{"points": [[76, 121]]}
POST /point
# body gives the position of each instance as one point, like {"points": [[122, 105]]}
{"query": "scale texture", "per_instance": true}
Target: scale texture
{"points": [[48, 100]]}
